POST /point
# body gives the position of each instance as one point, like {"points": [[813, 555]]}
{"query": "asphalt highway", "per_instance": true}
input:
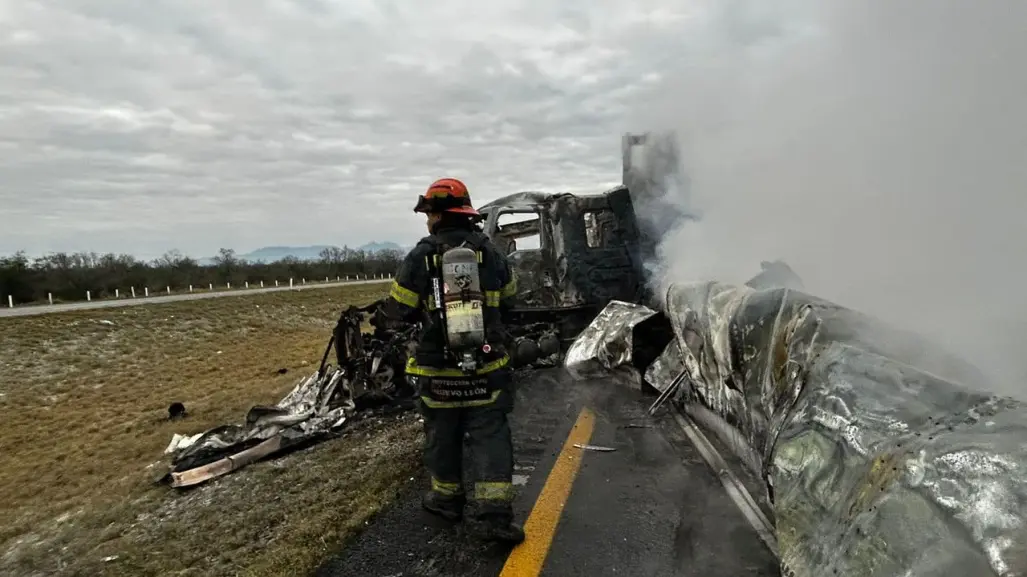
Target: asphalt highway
{"points": [[651, 506]]}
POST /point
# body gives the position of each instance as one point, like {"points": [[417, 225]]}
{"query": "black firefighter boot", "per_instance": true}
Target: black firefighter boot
{"points": [[449, 508], [499, 528]]}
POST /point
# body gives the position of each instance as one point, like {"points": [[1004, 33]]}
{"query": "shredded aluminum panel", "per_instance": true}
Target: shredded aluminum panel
{"points": [[317, 405], [607, 342], [661, 373], [881, 457], [881, 464]]}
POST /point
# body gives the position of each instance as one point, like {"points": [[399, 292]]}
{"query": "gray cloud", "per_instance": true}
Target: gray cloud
{"points": [[128, 126], [879, 147]]}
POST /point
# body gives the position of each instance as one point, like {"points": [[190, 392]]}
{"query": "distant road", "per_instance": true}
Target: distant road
{"points": [[30, 310]]}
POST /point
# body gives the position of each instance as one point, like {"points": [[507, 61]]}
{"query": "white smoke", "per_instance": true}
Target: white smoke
{"points": [[879, 148]]}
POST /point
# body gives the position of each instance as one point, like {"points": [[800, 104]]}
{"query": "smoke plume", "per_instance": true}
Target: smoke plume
{"points": [[879, 148]]}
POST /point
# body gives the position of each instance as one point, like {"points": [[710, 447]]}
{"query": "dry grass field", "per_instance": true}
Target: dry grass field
{"points": [[84, 397]]}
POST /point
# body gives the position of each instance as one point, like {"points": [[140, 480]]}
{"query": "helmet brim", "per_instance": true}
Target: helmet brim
{"points": [[468, 210]]}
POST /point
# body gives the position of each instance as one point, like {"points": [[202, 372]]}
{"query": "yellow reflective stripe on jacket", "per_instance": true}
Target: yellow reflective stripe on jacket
{"points": [[403, 295], [414, 369], [433, 404]]}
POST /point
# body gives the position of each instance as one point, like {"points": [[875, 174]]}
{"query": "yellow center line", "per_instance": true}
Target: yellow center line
{"points": [[528, 557]]}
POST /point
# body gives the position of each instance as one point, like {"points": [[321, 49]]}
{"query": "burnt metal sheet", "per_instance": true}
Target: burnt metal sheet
{"points": [[881, 457], [316, 406], [881, 462], [607, 342], [662, 372], [368, 373]]}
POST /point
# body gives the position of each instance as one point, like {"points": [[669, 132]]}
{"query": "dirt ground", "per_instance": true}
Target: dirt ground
{"points": [[84, 399]]}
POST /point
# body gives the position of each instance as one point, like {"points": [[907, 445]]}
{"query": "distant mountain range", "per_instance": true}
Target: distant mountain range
{"points": [[274, 253]]}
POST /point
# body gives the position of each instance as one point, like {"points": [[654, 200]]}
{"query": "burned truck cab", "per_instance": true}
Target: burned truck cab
{"points": [[572, 255]]}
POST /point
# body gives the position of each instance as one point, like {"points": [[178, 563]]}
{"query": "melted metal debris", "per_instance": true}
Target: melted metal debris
{"points": [[878, 454]]}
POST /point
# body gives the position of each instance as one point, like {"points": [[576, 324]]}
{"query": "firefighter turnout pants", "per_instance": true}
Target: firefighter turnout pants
{"points": [[486, 453]]}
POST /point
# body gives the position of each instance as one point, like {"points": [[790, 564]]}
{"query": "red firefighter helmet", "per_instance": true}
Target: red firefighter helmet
{"points": [[446, 195]]}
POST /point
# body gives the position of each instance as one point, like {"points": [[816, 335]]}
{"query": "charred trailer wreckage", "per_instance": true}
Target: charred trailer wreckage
{"points": [[852, 446], [860, 448], [367, 378]]}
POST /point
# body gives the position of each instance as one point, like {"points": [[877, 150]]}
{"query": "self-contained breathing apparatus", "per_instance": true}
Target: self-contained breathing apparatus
{"points": [[456, 288]]}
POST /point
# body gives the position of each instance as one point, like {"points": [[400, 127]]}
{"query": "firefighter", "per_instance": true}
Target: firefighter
{"points": [[460, 365]]}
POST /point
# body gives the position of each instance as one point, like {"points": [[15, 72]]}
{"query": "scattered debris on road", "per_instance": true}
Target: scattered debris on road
{"points": [[594, 448]]}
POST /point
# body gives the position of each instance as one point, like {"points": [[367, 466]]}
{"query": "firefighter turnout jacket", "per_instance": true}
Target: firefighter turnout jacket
{"points": [[443, 383]]}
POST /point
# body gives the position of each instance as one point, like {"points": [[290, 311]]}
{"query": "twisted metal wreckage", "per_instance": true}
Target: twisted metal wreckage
{"points": [[368, 375], [870, 448], [872, 455]]}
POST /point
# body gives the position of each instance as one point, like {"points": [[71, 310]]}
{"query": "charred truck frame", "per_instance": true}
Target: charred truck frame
{"points": [[572, 254]]}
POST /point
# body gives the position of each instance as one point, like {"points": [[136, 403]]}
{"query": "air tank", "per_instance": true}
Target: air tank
{"points": [[464, 300]]}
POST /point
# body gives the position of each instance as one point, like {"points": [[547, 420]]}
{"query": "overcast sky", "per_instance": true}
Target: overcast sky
{"points": [[879, 147], [195, 124]]}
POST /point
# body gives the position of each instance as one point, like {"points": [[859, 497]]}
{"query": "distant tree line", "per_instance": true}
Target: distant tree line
{"points": [[68, 276]]}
